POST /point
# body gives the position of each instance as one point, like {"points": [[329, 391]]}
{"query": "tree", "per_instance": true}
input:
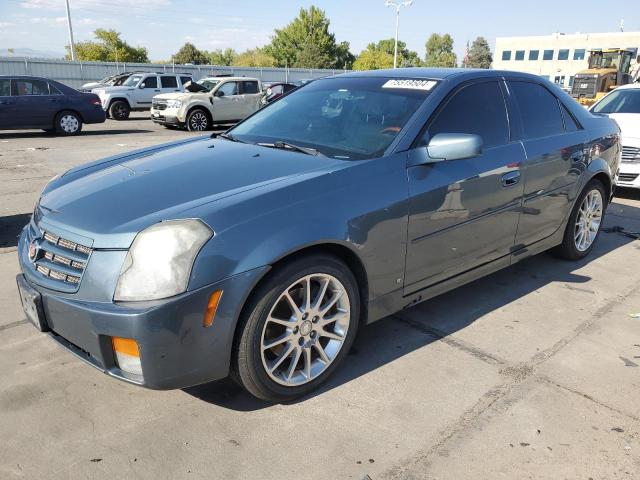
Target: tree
{"points": [[188, 53], [306, 42], [479, 54], [440, 51], [380, 55], [257, 57], [222, 57], [108, 47]]}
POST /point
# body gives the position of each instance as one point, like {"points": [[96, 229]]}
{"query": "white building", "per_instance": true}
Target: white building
{"points": [[560, 56]]}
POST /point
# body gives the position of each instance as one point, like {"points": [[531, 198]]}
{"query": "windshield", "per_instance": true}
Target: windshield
{"points": [[605, 60], [208, 84], [351, 118], [132, 81], [619, 101]]}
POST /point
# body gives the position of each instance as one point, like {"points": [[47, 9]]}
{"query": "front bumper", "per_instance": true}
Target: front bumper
{"points": [[629, 175], [167, 117], [176, 350]]}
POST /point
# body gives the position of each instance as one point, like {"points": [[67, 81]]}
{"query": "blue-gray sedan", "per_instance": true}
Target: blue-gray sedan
{"points": [[259, 252]]}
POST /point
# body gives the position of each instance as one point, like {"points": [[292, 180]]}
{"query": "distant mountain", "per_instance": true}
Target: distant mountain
{"points": [[29, 52]]}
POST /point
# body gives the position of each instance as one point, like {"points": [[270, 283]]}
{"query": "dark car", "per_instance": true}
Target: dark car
{"points": [[277, 90], [34, 102], [259, 252]]}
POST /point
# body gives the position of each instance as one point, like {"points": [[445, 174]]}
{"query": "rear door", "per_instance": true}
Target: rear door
{"points": [[7, 104], [149, 88], [464, 213], [250, 97], [554, 144], [169, 84], [34, 106], [227, 105]]}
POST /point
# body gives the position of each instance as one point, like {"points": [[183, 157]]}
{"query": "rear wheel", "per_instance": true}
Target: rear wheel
{"points": [[68, 123], [119, 110], [297, 329], [585, 222], [198, 121]]}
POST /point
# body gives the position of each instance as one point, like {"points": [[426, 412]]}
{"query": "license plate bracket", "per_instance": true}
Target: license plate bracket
{"points": [[32, 304]]}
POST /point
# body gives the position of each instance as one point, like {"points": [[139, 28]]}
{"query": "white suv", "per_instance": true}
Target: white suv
{"points": [[137, 92], [623, 106], [222, 100]]}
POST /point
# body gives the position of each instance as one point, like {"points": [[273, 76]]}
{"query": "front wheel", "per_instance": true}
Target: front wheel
{"points": [[584, 223], [198, 121], [68, 123], [297, 329]]}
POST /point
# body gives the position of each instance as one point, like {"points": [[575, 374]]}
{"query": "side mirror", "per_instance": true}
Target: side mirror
{"points": [[219, 93], [142, 85], [454, 146]]}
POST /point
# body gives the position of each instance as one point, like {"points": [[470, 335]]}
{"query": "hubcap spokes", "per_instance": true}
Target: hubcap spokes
{"points": [[69, 123], [588, 220], [199, 122], [305, 330]]}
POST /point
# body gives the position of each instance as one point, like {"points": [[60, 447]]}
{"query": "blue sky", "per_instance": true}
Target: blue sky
{"points": [[164, 25]]}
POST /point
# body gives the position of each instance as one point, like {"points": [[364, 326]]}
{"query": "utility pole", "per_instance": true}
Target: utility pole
{"points": [[72, 47], [397, 5]]}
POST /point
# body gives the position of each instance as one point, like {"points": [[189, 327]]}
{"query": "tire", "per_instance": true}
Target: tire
{"points": [[68, 123], [198, 120], [269, 328], [119, 110], [584, 215]]}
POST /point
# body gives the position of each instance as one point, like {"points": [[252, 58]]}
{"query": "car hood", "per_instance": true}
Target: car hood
{"points": [[629, 124], [111, 200], [107, 90], [183, 96]]}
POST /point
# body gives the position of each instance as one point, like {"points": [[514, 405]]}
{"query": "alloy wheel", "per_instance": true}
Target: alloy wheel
{"points": [[198, 122], [305, 330], [588, 220], [69, 124]]}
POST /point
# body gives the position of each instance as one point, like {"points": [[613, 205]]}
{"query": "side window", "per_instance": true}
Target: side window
{"points": [[53, 90], [184, 80], [250, 87], [539, 110], [477, 109], [229, 88], [168, 81], [150, 82], [570, 124], [5, 87], [29, 87]]}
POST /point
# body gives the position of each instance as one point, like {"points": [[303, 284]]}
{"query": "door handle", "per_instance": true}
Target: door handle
{"points": [[510, 178], [156, 90]]}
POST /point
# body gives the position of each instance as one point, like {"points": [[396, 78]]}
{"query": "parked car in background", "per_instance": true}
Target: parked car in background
{"points": [[35, 102], [260, 251], [137, 92], [110, 81], [623, 106], [277, 90], [228, 100]]}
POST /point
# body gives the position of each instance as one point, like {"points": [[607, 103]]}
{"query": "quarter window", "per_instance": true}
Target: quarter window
{"points": [[539, 110], [478, 109], [578, 54], [563, 54], [150, 82], [547, 55], [29, 87], [168, 81], [570, 124], [534, 54], [250, 87], [519, 55], [184, 80], [53, 90], [506, 55]]}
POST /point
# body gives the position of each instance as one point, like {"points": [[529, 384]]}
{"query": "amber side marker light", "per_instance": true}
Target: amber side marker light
{"points": [[212, 307], [127, 354]]}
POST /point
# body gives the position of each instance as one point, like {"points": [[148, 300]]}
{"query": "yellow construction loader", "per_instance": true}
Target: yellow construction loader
{"points": [[607, 70]]}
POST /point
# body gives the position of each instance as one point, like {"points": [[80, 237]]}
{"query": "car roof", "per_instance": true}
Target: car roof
{"points": [[230, 78], [438, 73], [629, 85]]}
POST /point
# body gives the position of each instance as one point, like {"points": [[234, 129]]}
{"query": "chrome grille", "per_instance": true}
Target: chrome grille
{"points": [[630, 154], [159, 104], [627, 177], [60, 259]]}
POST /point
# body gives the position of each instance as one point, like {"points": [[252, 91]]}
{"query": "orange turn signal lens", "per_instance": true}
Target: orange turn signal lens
{"points": [[212, 307], [127, 346]]}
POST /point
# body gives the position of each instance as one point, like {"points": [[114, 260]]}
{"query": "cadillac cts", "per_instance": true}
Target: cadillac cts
{"points": [[259, 252]]}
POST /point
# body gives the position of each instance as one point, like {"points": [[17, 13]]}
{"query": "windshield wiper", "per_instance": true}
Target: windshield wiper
{"points": [[228, 136], [290, 146]]}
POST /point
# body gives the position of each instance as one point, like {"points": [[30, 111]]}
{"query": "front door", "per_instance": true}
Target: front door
{"points": [[554, 146], [148, 89], [464, 213], [227, 104]]}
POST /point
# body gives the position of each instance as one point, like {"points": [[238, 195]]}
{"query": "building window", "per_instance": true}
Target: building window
{"points": [[578, 54], [571, 81], [506, 55], [563, 54], [556, 80], [519, 55], [533, 54], [547, 55]]}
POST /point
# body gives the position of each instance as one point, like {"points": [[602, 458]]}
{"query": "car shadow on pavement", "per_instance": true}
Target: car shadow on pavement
{"points": [[10, 228], [39, 134], [384, 341]]}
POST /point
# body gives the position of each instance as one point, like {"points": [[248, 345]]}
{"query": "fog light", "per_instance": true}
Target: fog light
{"points": [[127, 355]]}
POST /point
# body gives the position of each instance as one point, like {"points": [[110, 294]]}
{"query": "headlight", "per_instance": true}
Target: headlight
{"points": [[174, 103], [159, 261]]}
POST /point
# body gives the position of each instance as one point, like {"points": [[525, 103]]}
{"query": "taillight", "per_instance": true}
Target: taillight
{"points": [[95, 101]]}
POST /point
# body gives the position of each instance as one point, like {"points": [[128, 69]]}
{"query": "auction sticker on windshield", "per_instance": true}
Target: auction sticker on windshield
{"points": [[411, 84]]}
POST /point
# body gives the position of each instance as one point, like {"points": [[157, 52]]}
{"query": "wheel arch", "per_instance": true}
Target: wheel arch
{"points": [[62, 110], [199, 106], [115, 99]]}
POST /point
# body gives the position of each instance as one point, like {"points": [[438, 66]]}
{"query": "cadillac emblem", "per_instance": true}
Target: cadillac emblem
{"points": [[34, 249]]}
